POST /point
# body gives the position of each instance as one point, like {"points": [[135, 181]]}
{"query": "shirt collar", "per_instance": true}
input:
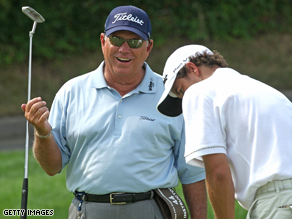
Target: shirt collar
{"points": [[148, 84], [97, 78]]}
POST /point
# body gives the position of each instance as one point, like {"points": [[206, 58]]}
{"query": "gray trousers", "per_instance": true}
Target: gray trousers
{"points": [[273, 201], [147, 209]]}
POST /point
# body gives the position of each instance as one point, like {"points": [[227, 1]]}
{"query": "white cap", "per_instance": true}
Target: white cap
{"points": [[169, 104]]}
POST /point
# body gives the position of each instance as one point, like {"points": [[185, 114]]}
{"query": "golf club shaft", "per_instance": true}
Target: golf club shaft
{"points": [[28, 99], [37, 18], [25, 180]]}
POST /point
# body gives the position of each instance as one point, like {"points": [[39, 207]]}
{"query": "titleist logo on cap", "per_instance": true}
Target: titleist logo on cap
{"points": [[180, 65], [129, 17]]}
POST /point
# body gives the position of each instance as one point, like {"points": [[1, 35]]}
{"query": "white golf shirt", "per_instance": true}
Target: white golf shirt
{"points": [[246, 119]]}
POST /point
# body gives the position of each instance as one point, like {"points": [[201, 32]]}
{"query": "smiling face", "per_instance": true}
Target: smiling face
{"points": [[123, 61]]}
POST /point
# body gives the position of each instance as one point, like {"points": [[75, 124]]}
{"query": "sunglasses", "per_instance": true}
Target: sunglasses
{"points": [[133, 43]]}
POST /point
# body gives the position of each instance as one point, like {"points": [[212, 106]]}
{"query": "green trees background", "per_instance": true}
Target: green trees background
{"points": [[254, 37], [74, 26]]}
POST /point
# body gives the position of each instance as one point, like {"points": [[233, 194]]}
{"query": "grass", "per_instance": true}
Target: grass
{"points": [[266, 58], [44, 192]]}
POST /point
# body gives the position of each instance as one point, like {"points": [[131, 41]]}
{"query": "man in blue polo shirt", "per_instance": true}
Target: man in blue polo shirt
{"points": [[105, 128]]}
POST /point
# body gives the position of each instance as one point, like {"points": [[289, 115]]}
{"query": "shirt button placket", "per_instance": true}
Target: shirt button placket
{"points": [[118, 121]]}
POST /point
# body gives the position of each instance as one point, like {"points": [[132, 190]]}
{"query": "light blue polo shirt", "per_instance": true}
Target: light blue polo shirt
{"points": [[118, 144]]}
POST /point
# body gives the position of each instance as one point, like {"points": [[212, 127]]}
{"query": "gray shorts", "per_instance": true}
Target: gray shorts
{"points": [[147, 209], [272, 201]]}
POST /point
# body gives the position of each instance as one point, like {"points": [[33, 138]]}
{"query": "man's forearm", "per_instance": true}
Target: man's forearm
{"points": [[196, 198], [220, 186], [221, 198], [48, 154], [45, 149]]}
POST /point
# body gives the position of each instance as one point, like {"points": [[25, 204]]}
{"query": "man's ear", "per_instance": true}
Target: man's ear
{"points": [[102, 39], [192, 68], [149, 48], [150, 45]]}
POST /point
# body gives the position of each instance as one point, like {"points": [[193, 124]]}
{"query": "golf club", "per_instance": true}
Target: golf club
{"points": [[37, 18]]}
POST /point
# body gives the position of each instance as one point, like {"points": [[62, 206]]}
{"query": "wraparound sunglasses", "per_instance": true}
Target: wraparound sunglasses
{"points": [[133, 43]]}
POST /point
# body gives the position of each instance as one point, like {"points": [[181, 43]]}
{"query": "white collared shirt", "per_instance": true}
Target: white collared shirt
{"points": [[245, 119]]}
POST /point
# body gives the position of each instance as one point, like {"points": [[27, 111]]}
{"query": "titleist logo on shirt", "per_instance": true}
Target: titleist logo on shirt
{"points": [[146, 118], [129, 17]]}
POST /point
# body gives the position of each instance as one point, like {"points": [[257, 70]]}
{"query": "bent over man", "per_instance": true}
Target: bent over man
{"points": [[238, 128]]}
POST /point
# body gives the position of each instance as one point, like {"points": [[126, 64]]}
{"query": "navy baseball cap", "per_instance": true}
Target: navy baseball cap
{"points": [[128, 18]]}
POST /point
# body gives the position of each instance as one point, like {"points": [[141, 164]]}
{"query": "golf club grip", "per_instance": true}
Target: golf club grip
{"points": [[24, 197]]}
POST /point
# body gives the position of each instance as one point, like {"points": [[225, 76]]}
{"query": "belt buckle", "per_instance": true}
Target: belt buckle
{"points": [[116, 203]]}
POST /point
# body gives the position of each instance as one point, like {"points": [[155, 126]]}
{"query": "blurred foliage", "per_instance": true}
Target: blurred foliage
{"points": [[74, 26]]}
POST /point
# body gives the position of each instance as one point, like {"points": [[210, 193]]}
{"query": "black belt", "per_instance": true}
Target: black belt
{"points": [[115, 198]]}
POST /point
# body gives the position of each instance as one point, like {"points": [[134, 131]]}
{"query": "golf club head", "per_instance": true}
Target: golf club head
{"points": [[33, 14]]}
